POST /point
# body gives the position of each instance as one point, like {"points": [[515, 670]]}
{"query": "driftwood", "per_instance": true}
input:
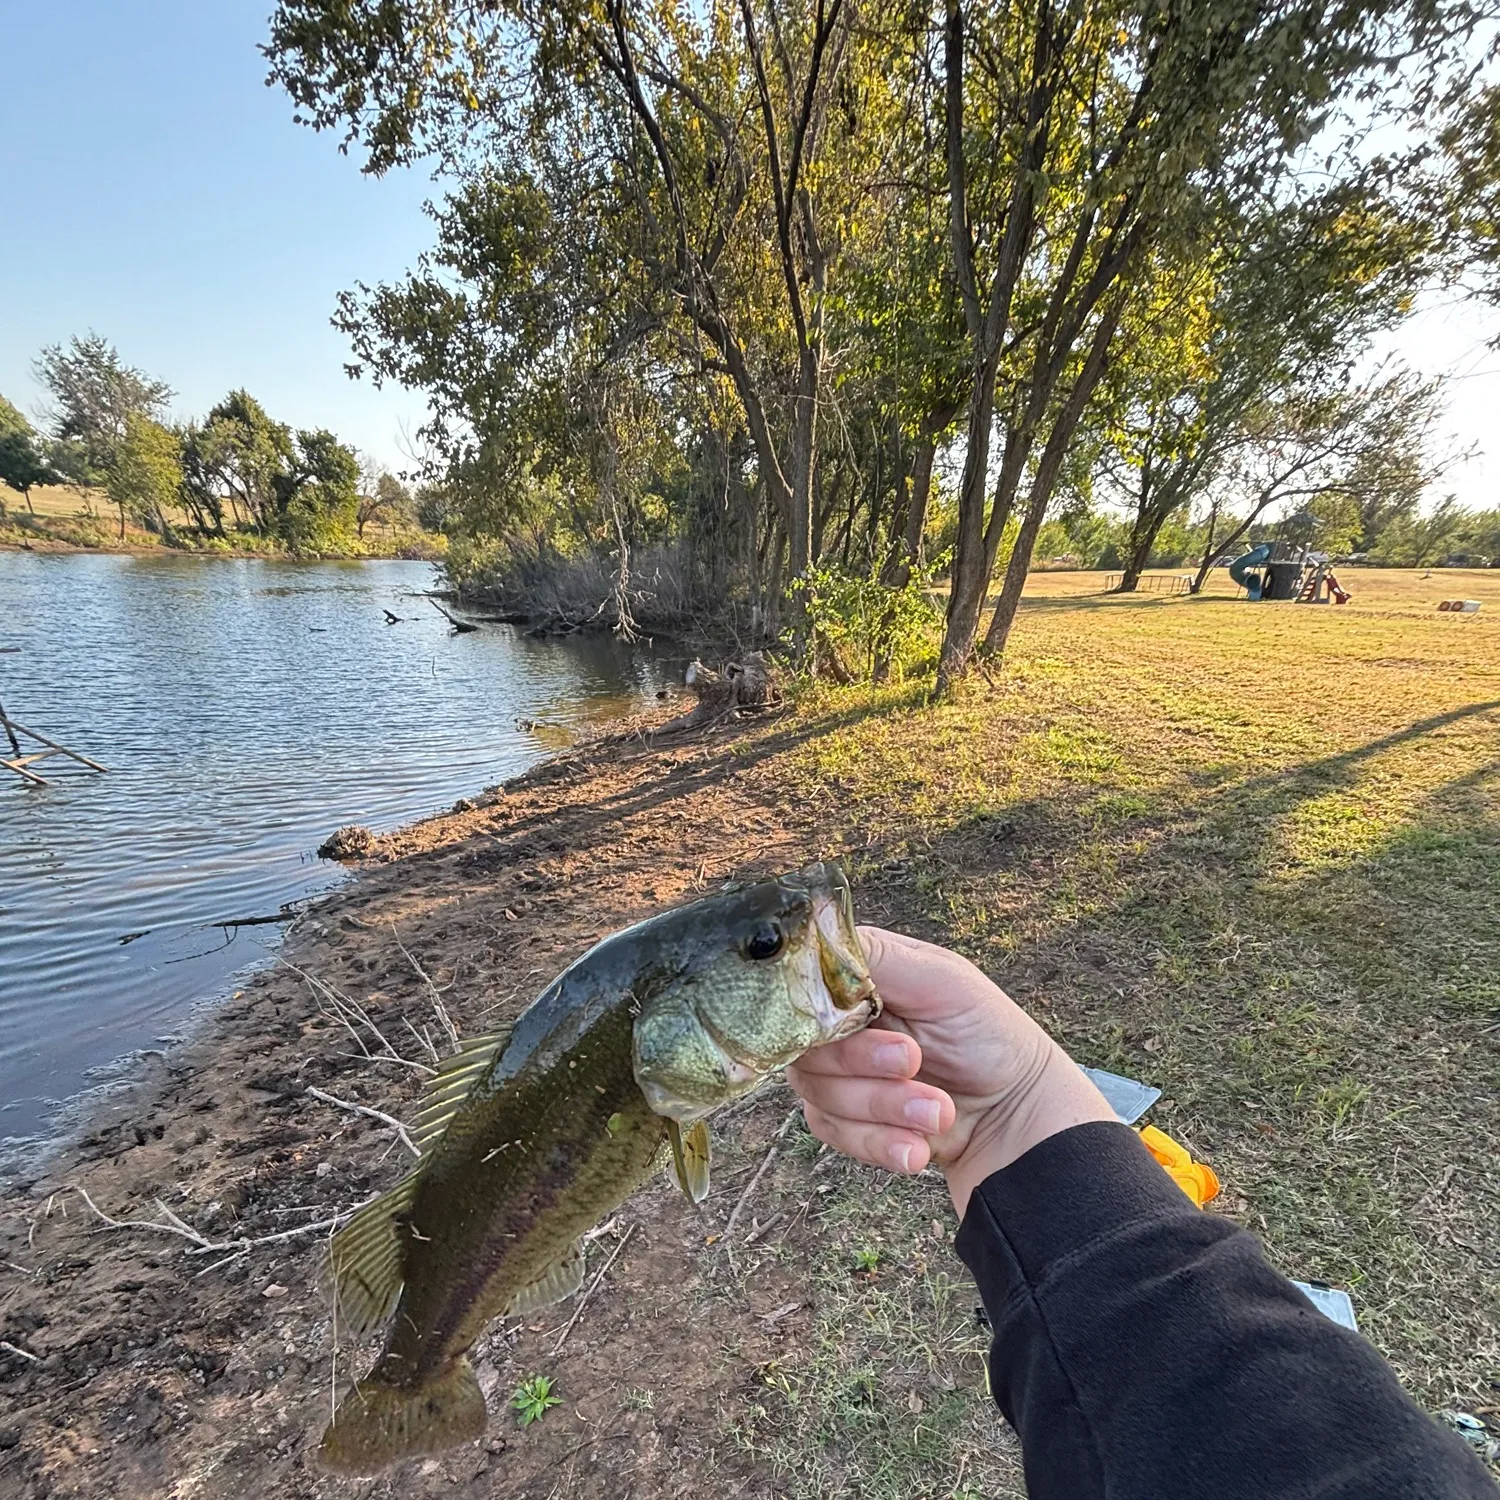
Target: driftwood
{"points": [[352, 841], [746, 686], [460, 627], [21, 763]]}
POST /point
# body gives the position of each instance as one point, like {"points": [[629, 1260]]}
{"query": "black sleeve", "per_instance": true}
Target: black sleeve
{"points": [[1144, 1349]]}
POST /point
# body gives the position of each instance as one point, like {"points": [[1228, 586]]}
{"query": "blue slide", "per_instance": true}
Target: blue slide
{"points": [[1254, 584]]}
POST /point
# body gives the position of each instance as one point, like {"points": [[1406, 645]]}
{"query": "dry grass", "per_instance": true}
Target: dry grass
{"points": [[1250, 853]]}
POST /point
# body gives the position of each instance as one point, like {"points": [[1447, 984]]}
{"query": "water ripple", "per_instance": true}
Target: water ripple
{"points": [[245, 709]]}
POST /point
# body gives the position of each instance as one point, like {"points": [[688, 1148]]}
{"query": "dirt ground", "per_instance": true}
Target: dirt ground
{"points": [[163, 1368], [1248, 852]]}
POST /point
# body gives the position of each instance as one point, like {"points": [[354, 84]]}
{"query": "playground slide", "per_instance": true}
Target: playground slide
{"points": [[1240, 566]]}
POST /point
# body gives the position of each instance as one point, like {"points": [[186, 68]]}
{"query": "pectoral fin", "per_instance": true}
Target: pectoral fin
{"points": [[690, 1158], [561, 1279]]}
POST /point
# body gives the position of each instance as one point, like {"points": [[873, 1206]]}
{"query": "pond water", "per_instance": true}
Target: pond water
{"points": [[245, 708]]}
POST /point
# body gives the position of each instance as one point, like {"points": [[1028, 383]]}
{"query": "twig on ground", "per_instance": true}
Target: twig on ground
{"points": [[765, 1166], [10, 1265], [201, 1244], [348, 1010], [11, 1348], [762, 1229], [374, 1114], [444, 1019], [758, 1096], [422, 1039], [583, 1301]]}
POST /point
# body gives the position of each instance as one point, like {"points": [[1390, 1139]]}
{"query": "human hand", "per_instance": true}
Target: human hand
{"points": [[954, 1072]]}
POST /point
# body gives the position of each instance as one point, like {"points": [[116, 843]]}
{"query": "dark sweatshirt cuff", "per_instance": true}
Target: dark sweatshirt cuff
{"points": [[1066, 1192]]}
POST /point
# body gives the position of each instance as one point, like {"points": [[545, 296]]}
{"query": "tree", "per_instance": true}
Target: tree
{"points": [[713, 166], [23, 459], [145, 473], [316, 493], [94, 393], [1282, 308], [11, 419], [1335, 457], [382, 497], [1470, 190], [1127, 132], [234, 457]]}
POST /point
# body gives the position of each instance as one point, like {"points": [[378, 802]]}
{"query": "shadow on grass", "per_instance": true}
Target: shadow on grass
{"points": [[674, 783], [1324, 1026]]}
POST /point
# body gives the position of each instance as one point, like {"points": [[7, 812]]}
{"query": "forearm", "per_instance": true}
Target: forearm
{"points": [[1145, 1349]]}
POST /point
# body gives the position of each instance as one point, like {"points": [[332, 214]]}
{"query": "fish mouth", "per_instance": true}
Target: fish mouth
{"points": [[841, 958]]}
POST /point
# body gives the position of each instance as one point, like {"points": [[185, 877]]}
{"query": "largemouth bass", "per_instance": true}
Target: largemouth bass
{"points": [[532, 1135]]}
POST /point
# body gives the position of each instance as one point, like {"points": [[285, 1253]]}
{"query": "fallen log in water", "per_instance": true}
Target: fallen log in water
{"points": [[461, 627]]}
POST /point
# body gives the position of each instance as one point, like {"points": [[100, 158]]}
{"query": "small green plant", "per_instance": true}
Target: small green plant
{"points": [[876, 630], [866, 1259], [532, 1398]]}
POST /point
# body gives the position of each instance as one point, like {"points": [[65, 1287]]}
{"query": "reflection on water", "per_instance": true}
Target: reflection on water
{"points": [[245, 709]]}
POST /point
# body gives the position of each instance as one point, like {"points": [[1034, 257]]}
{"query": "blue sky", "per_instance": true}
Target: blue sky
{"points": [[159, 194]]}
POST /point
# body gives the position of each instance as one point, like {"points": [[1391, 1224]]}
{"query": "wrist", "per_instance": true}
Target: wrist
{"points": [[1057, 1096]]}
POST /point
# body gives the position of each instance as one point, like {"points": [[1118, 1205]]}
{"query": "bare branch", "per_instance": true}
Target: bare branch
{"points": [[374, 1114]]}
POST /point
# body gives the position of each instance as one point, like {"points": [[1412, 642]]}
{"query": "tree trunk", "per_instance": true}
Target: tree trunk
{"points": [[1142, 539], [1142, 534], [1064, 425], [970, 573], [804, 458], [916, 513], [773, 582], [1211, 550], [29, 506], [122, 523]]}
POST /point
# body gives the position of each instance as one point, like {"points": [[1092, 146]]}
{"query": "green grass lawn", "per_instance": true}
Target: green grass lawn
{"points": [[1248, 852]]}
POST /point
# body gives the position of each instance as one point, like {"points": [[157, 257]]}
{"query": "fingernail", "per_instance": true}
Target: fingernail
{"points": [[923, 1113], [890, 1056], [901, 1158]]}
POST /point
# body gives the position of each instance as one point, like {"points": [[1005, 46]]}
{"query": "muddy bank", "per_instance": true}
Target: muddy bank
{"points": [[139, 1362]]}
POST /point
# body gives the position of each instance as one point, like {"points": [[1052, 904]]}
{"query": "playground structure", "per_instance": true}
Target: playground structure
{"points": [[1154, 583], [1288, 572]]}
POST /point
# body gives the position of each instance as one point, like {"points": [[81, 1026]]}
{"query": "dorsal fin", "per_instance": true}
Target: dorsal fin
{"points": [[450, 1086], [366, 1258]]}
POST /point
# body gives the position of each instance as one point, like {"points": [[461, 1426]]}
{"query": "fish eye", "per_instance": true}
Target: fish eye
{"points": [[766, 941]]}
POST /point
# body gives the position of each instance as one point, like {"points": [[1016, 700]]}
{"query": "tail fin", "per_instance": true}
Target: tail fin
{"points": [[378, 1424]]}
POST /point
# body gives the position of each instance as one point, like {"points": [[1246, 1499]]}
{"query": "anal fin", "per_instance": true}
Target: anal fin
{"points": [[690, 1158], [561, 1279]]}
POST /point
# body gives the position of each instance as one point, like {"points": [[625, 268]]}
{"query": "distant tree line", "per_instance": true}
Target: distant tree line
{"points": [[236, 473]]}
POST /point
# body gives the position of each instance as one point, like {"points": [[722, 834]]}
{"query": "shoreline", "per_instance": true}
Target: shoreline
{"points": [[56, 547], [43, 541], [483, 906]]}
